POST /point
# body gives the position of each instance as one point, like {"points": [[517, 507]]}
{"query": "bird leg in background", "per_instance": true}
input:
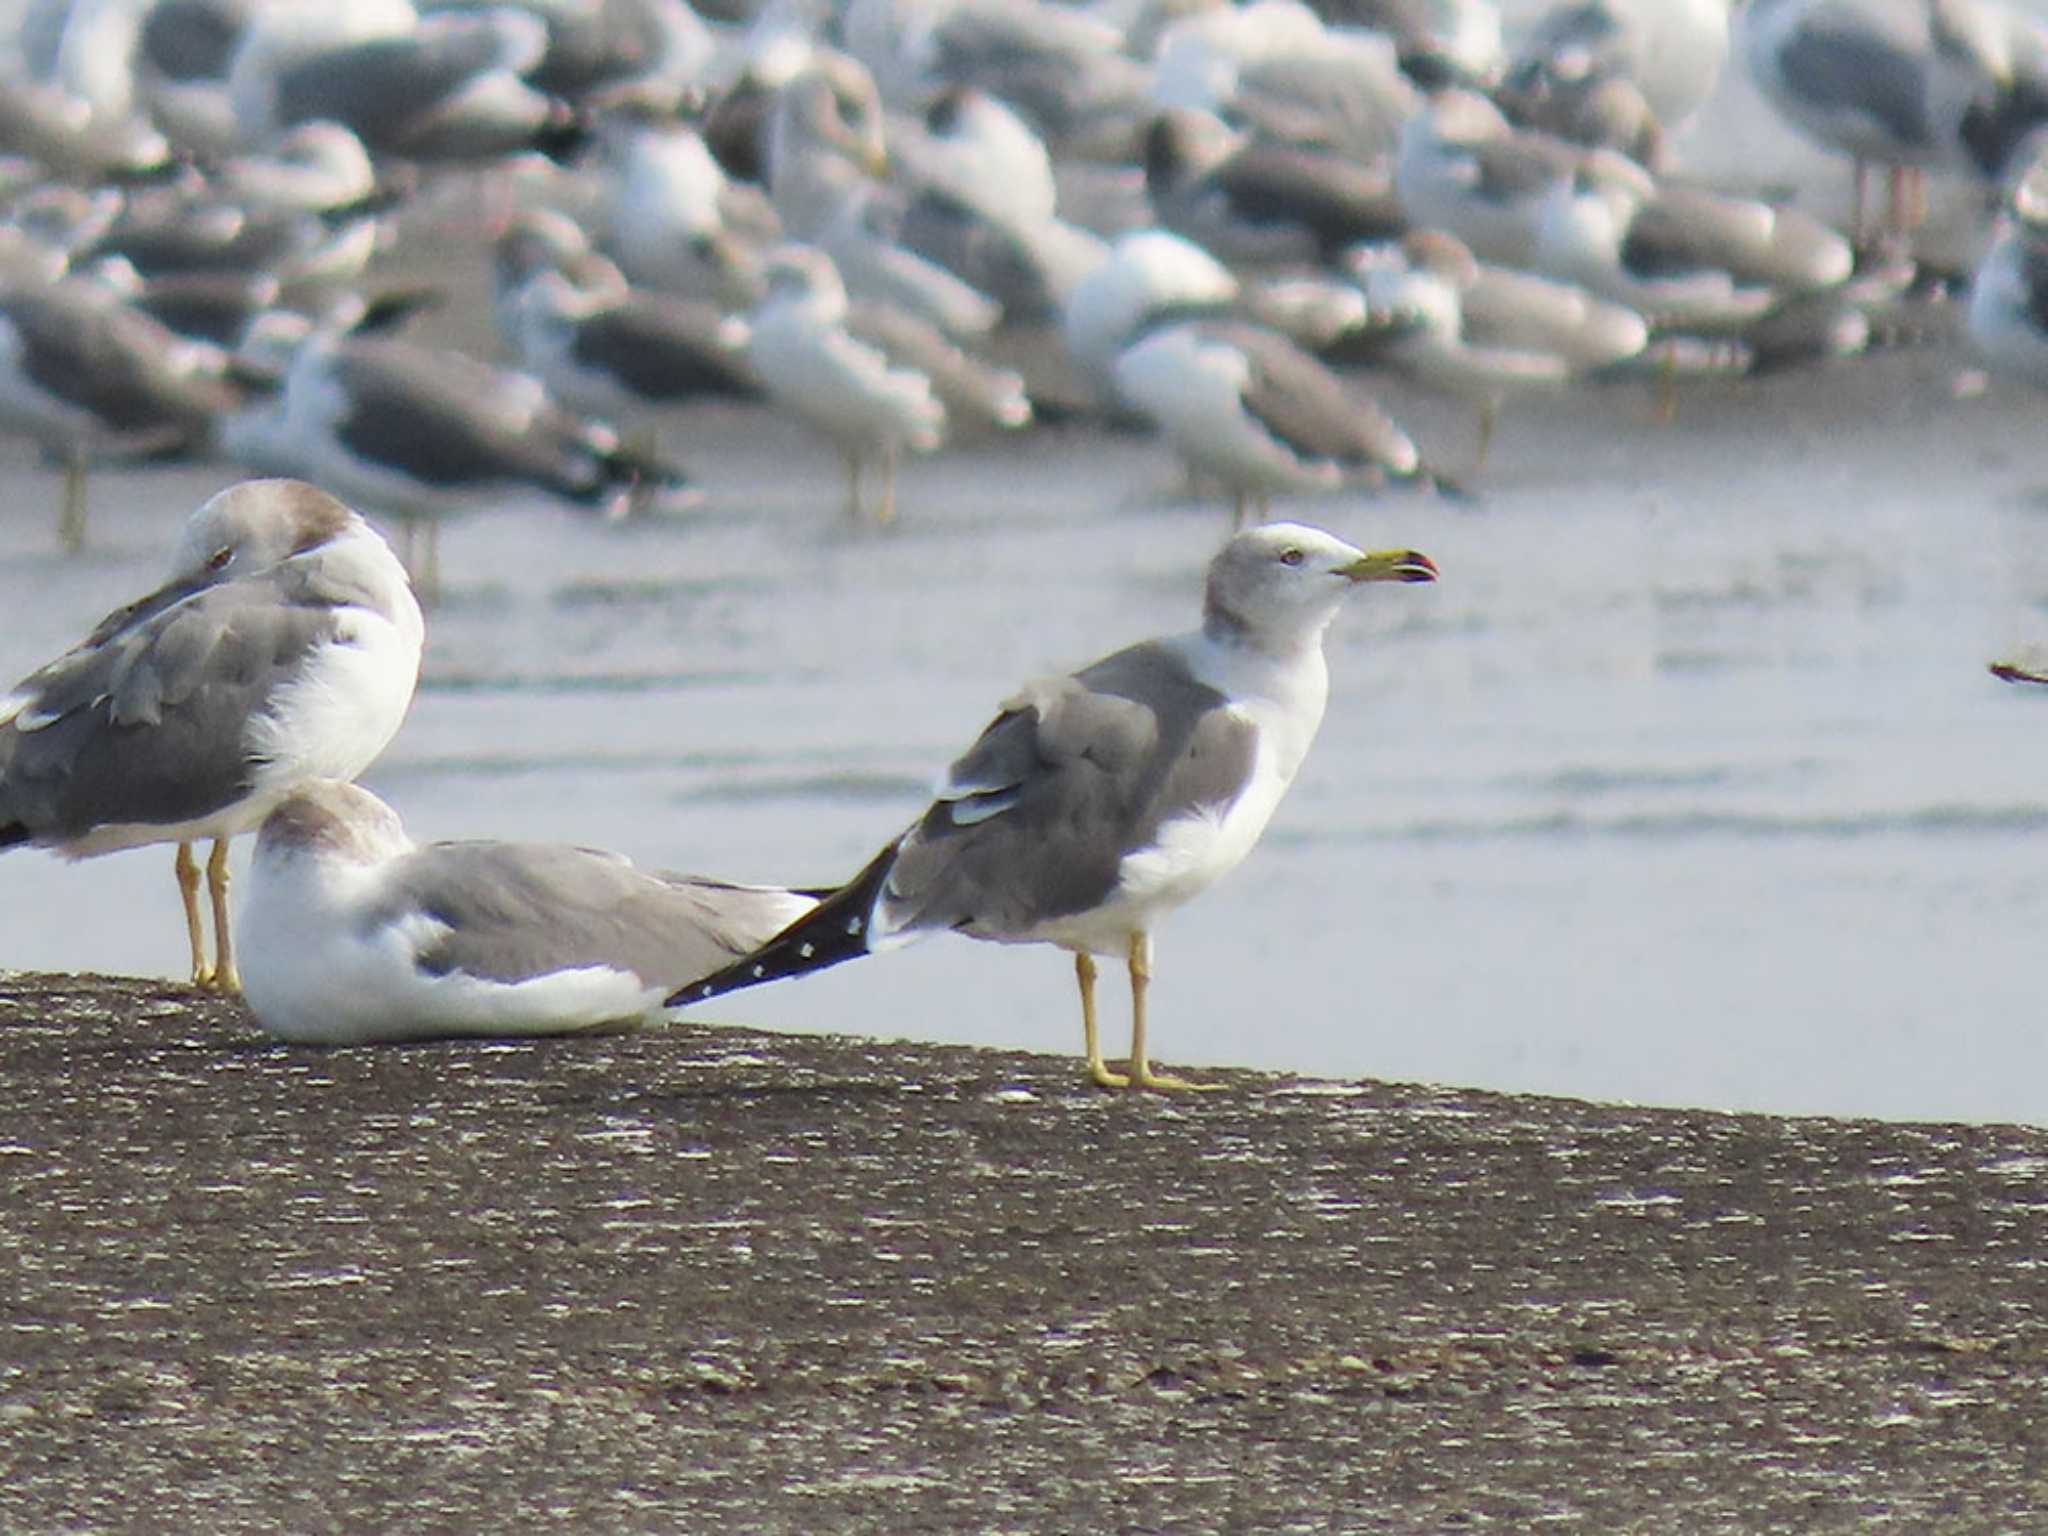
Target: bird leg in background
{"points": [[644, 444], [71, 510], [1142, 1075], [886, 512], [852, 484], [188, 887], [1489, 418], [1084, 973], [1908, 203], [225, 980], [430, 578], [1667, 383]]}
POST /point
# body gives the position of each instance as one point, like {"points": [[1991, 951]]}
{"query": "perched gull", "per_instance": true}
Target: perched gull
{"points": [[1464, 167], [1482, 331], [670, 216], [825, 156], [451, 87], [423, 433], [83, 374], [845, 388], [1256, 201], [1246, 405], [353, 933], [284, 647], [1624, 74], [1888, 82], [1064, 69], [1275, 68], [1686, 258], [602, 345], [1094, 804], [1146, 276]]}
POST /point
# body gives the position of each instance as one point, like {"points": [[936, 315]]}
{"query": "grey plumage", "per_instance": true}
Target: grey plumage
{"points": [[1083, 770], [1034, 821], [1093, 804], [145, 721], [354, 933], [285, 646], [1307, 407], [514, 911]]}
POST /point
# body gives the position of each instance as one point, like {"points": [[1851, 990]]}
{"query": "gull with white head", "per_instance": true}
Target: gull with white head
{"points": [[1094, 804], [285, 647], [848, 390], [354, 933]]}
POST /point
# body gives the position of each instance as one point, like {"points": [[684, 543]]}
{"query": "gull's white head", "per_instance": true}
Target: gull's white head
{"points": [[803, 274], [1278, 586], [327, 819], [254, 525]]}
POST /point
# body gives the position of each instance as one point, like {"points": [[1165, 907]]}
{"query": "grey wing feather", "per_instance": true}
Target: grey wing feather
{"points": [[1307, 407], [514, 911], [1036, 819], [150, 725], [1837, 69]]}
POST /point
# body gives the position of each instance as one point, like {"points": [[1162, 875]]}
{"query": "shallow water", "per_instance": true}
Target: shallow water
{"points": [[1685, 785]]}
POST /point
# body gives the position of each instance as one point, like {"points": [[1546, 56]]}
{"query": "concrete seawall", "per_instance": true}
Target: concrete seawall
{"points": [[701, 1279]]}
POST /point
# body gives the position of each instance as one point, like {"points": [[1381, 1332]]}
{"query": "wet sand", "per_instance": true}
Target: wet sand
{"points": [[704, 1278]]}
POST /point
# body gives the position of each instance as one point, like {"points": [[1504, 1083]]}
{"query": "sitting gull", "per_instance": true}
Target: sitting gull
{"points": [[284, 647], [354, 933], [1094, 804]]}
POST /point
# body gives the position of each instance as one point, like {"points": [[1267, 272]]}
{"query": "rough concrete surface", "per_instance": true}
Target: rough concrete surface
{"points": [[711, 1280]]}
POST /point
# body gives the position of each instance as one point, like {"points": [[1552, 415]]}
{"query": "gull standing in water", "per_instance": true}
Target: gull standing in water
{"points": [[1094, 804], [353, 932], [285, 647]]}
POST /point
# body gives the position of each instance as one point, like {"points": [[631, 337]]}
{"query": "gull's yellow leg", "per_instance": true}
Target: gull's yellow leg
{"points": [[188, 887], [1142, 1075], [1489, 418], [886, 512], [226, 980], [853, 508], [432, 584], [1084, 973], [71, 510]]}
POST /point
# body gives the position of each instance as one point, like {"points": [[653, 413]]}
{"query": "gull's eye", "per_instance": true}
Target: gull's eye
{"points": [[1291, 556], [220, 559]]}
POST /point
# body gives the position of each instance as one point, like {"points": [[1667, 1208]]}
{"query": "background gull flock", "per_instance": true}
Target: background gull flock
{"points": [[794, 379]]}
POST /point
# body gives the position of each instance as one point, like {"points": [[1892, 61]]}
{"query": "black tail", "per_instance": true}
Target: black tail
{"points": [[13, 834], [834, 930]]}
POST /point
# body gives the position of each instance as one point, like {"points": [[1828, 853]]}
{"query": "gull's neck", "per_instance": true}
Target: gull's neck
{"points": [[1227, 630]]}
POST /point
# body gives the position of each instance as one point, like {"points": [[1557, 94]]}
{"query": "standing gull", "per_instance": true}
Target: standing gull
{"points": [[352, 932], [1247, 406], [1889, 82], [848, 390], [284, 647], [1094, 804]]}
